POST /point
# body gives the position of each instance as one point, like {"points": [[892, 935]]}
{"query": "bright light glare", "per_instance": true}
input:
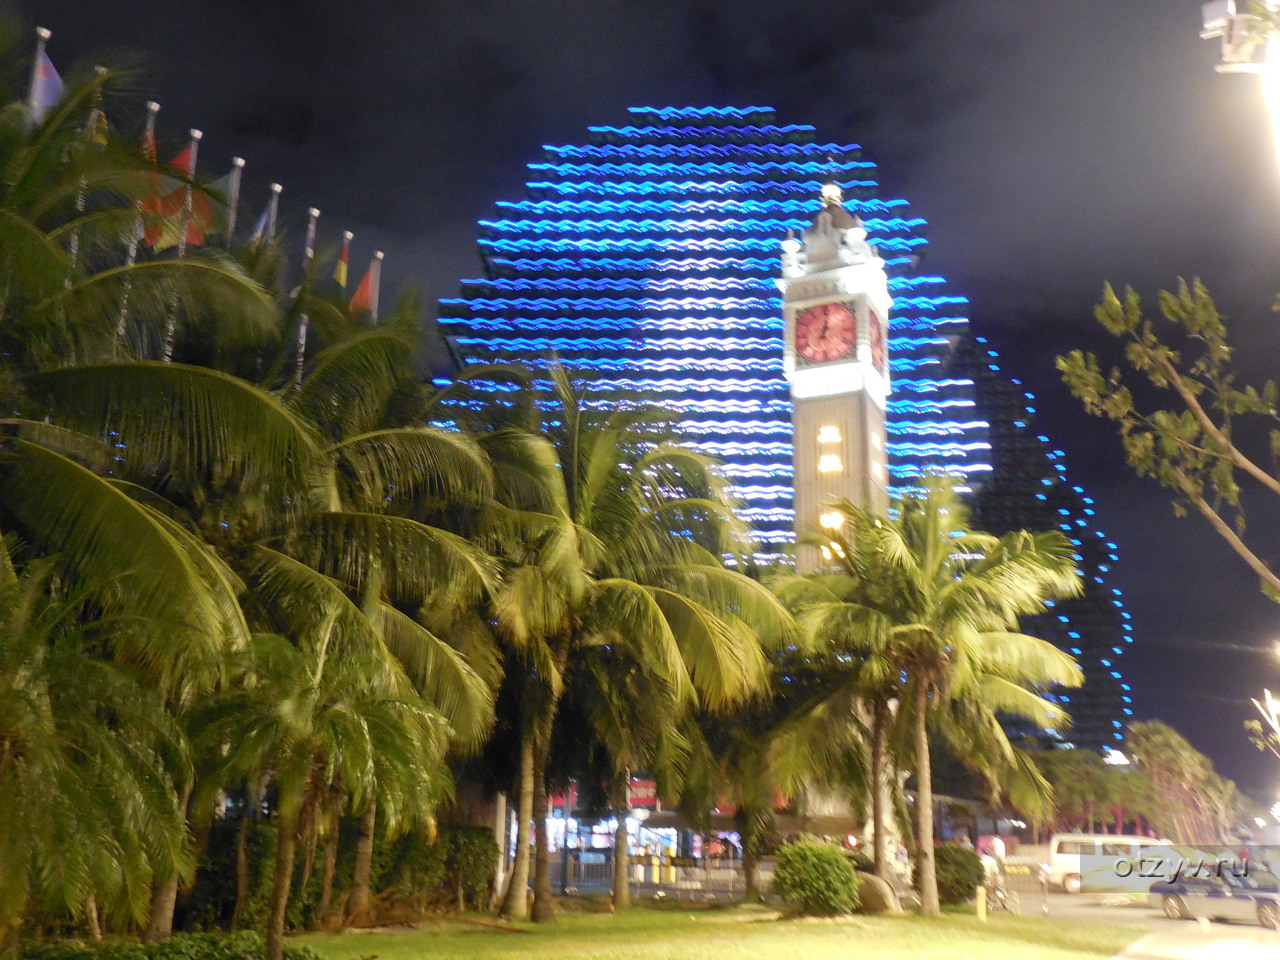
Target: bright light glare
{"points": [[831, 521], [1270, 75]]}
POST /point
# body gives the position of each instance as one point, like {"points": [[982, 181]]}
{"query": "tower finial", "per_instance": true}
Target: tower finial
{"points": [[831, 194]]}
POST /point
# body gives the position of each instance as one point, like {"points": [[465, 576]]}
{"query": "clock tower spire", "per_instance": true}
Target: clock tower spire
{"points": [[835, 303]]}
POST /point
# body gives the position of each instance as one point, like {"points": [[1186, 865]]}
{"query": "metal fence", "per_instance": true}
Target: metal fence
{"points": [[704, 880]]}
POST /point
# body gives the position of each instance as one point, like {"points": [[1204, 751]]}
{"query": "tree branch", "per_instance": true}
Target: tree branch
{"points": [[1211, 428], [1224, 530]]}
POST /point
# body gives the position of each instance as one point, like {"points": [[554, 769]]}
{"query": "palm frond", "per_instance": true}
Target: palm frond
{"points": [[442, 675], [117, 547], [191, 420]]}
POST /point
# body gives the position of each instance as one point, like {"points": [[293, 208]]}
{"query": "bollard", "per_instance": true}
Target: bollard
{"points": [[982, 904]]}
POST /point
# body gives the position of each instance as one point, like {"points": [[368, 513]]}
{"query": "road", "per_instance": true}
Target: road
{"points": [[1168, 939]]}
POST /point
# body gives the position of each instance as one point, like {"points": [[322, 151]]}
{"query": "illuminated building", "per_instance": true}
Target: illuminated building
{"points": [[647, 261], [1029, 489]]}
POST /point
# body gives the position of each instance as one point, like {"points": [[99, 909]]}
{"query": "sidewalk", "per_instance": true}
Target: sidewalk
{"points": [[1193, 942]]}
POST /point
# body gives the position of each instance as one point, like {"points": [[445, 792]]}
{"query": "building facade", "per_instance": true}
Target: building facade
{"points": [[647, 261]]}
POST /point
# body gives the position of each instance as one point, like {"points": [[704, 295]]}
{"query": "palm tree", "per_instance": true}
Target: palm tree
{"points": [[319, 712], [612, 538], [90, 811], [179, 496], [936, 604]]}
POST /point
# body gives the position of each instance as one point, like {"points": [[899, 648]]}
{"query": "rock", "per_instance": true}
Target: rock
{"points": [[876, 896]]}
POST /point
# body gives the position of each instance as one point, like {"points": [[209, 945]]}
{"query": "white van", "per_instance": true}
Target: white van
{"points": [[1067, 849]]}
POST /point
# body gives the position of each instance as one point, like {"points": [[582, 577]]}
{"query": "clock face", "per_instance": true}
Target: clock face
{"points": [[825, 332], [876, 332]]}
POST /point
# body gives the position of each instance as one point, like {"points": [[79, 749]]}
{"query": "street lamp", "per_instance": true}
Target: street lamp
{"points": [[1247, 47]]}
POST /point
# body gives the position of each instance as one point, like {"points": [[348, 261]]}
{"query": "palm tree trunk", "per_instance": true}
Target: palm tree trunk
{"points": [[750, 862], [326, 880], [621, 852], [242, 870], [543, 902], [286, 845], [362, 869], [515, 906], [164, 895], [924, 807], [877, 791], [91, 918]]}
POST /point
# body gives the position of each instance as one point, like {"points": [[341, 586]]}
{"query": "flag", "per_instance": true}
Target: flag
{"points": [[164, 210], [46, 87], [221, 196], [362, 299], [340, 269], [259, 234], [96, 128]]}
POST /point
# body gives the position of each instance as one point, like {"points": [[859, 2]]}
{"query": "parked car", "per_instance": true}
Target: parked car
{"points": [[1251, 896], [1075, 856]]}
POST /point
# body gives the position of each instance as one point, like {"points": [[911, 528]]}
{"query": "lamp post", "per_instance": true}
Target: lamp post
{"points": [[1249, 45]]}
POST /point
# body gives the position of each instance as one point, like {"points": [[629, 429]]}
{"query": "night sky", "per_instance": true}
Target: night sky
{"points": [[1050, 146]]}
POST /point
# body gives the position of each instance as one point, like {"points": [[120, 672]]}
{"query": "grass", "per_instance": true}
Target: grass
{"points": [[670, 932]]}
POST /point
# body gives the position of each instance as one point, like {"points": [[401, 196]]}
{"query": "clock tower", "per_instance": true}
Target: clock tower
{"points": [[835, 302]]}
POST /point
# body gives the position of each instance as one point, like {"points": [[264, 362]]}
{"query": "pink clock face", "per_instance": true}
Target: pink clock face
{"points": [[825, 332]]}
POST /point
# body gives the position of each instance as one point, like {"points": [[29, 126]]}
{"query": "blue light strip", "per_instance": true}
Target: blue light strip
{"points": [[702, 113], [676, 187], [641, 243], [773, 227], [800, 206]]}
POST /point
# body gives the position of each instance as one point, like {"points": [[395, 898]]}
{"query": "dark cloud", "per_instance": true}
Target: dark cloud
{"points": [[1051, 146]]}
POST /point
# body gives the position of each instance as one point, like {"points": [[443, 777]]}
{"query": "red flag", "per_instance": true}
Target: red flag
{"points": [[163, 210], [362, 299]]}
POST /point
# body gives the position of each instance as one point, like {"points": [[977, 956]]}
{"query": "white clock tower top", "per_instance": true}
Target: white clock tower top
{"points": [[833, 261]]}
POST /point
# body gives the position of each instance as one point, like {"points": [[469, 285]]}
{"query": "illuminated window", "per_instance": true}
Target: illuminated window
{"points": [[828, 434], [829, 463], [875, 440], [831, 521]]}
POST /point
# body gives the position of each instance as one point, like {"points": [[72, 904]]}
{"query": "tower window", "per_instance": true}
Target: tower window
{"points": [[830, 463], [828, 434]]}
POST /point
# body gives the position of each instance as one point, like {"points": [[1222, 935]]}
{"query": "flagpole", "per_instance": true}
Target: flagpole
{"points": [[308, 254], [273, 210], [171, 323], [233, 195], [377, 283], [131, 255], [74, 243], [42, 37]]}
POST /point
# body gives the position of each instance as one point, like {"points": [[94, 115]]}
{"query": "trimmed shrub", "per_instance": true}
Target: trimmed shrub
{"points": [[959, 870], [245, 945], [815, 879]]}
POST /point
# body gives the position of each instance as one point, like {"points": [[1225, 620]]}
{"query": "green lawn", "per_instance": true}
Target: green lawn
{"points": [[671, 933]]}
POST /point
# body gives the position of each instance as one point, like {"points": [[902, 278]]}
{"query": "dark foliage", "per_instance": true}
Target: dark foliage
{"points": [[960, 872], [245, 945]]}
